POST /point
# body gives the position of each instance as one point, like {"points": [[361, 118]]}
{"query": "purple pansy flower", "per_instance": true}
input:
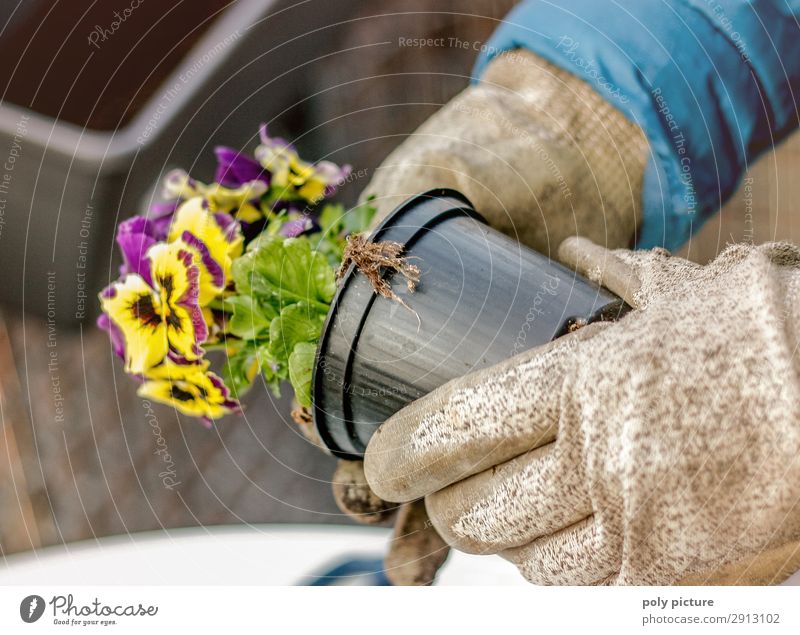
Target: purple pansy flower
{"points": [[235, 169], [294, 177], [161, 214], [296, 226], [114, 332], [134, 237]]}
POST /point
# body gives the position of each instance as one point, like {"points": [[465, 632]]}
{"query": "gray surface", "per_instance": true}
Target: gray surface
{"points": [[92, 469]]}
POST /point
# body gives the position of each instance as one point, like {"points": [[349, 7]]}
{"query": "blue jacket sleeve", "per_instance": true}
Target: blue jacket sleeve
{"points": [[711, 82]]}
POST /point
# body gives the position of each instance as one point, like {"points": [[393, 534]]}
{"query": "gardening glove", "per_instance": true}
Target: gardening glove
{"points": [[543, 157], [660, 448], [416, 551], [537, 151]]}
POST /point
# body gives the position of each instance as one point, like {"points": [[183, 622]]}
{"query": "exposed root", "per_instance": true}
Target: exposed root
{"points": [[374, 259]]}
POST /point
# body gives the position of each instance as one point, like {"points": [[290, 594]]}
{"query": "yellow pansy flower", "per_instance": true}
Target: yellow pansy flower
{"points": [[310, 181], [237, 201], [159, 318], [190, 388], [214, 237]]}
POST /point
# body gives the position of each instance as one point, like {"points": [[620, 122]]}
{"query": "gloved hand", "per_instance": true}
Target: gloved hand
{"points": [[416, 551], [537, 151], [660, 448], [542, 156]]}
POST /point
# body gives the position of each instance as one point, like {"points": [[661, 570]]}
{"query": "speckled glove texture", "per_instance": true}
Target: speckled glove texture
{"points": [[661, 448], [542, 157], [537, 151]]}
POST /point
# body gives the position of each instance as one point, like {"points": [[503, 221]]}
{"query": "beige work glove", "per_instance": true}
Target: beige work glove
{"points": [[542, 157], [416, 551], [660, 448], [536, 150]]}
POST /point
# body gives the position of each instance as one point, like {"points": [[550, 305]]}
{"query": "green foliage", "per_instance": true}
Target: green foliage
{"points": [[297, 323], [335, 223], [283, 291], [249, 320], [279, 271], [301, 370]]}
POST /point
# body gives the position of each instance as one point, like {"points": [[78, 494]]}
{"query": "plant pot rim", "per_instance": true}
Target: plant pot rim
{"points": [[422, 212]]}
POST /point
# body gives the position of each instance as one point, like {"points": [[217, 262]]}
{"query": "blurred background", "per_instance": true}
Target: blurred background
{"points": [[99, 101]]}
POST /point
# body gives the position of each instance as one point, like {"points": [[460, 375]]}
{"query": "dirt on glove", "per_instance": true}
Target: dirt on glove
{"points": [[354, 496]]}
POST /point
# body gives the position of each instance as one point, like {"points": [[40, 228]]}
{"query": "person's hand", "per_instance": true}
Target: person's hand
{"points": [[660, 448], [536, 150], [542, 156], [416, 551]]}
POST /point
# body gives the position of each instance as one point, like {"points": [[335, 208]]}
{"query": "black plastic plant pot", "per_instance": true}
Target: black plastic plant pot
{"points": [[482, 298]]}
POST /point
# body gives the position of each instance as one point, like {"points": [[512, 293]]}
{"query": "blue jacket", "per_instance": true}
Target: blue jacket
{"points": [[711, 82]]}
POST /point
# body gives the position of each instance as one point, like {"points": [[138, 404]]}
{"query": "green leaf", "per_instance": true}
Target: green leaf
{"points": [[244, 365], [240, 369], [297, 323], [324, 278], [335, 225], [241, 270], [332, 250], [272, 372], [284, 281], [336, 222], [250, 319], [331, 220], [359, 218], [284, 271], [301, 369]]}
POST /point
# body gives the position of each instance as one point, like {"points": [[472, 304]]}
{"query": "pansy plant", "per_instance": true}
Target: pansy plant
{"points": [[245, 264]]}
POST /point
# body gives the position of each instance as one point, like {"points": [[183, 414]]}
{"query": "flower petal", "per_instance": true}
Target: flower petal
{"points": [[186, 330], [192, 391], [221, 235], [160, 214], [295, 227], [135, 236], [176, 277], [136, 310], [179, 185], [117, 339], [298, 178], [223, 199], [235, 169], [170, 270], [212, 278]]}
